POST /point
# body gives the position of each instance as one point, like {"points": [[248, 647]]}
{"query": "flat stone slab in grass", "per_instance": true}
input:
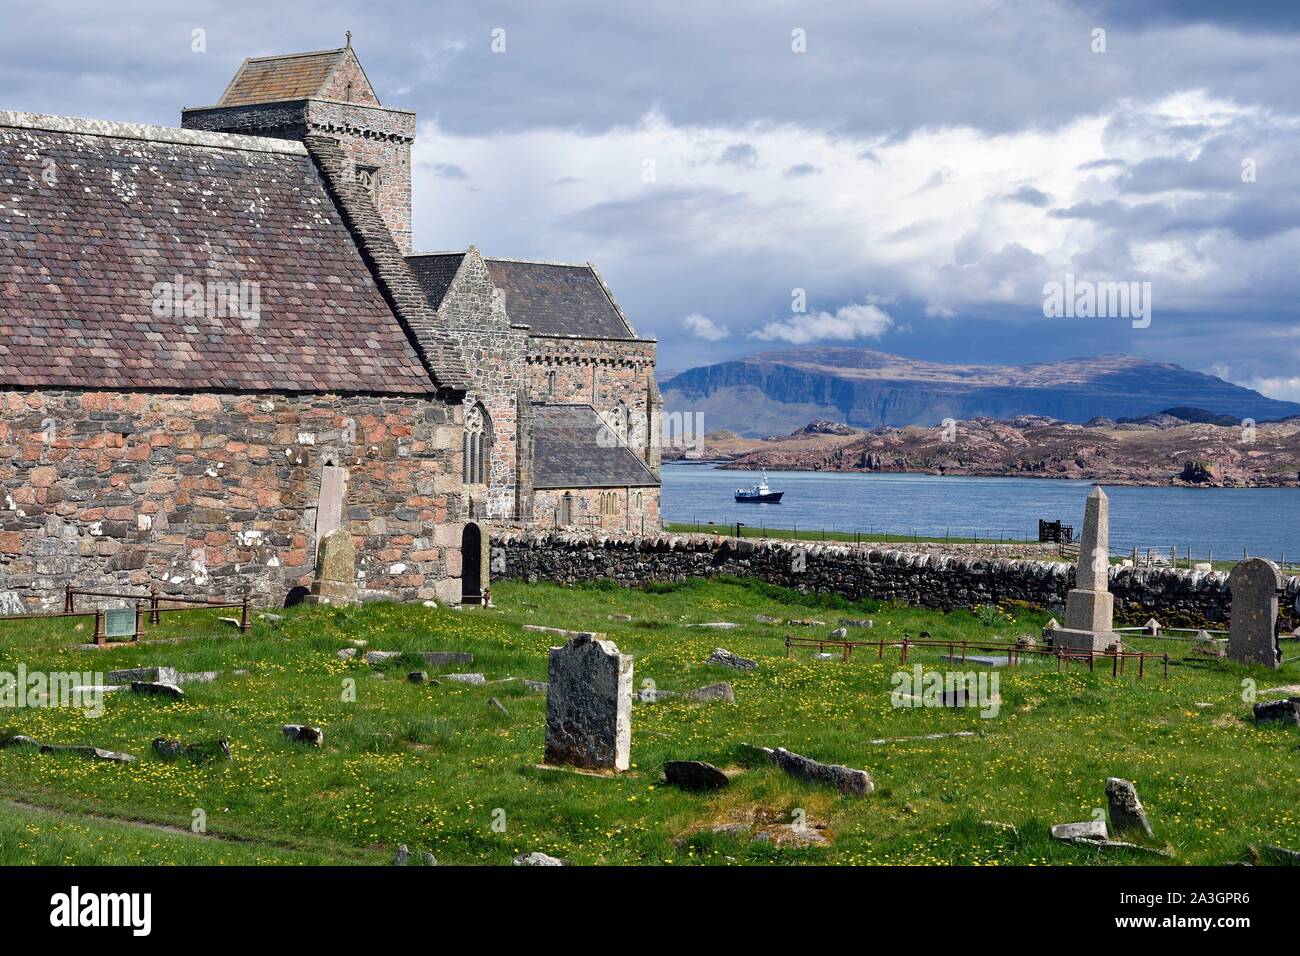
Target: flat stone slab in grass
{"points": [[346, 653], [827, 657], [1126, 812], [96, 753], [157, 689], [715, 625], [1286, 690], [988, 660], [1088, 830], [467, 678], [1278, 711], [620, 618], [847, 780], [694, 775], [381, 657], [498, 706], [201, 752], [725, 658], [446, 658], [790, 834], [1122, 845], [157, 675], [536, 686], [863, 622], [539, 859], [197, 677], [766, 619], [302, 734], [701, 695]]}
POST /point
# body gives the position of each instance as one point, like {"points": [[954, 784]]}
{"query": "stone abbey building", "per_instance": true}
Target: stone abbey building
{"points": [[216, 346]]}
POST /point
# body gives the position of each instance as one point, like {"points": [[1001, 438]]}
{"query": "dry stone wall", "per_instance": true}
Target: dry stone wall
{"points": [[1176, 597]]}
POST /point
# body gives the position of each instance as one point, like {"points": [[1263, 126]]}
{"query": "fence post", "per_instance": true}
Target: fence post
{"points": [[139, 621], [244, 624], [904, 659], [154, 616], [100, 637], [67, 598]]}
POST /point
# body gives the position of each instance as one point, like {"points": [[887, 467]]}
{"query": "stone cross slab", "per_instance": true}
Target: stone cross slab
{"points": [[1090, 607], [589, 705]]}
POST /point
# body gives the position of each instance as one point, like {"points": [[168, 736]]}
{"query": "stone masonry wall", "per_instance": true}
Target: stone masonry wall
{"points": [[1177, 598], [494, 352], [596, 372], [637, 512], [205, 493]]}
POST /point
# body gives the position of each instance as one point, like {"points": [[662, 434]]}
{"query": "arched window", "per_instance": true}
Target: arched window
{"points": [[566, 510], [550, 384], [478, 446]]}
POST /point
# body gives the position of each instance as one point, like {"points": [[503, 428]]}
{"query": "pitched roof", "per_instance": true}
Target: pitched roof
{"points": [[392, 272], [556, 299], [574, 448], [95, 217], [435, 270], [294, 76]]}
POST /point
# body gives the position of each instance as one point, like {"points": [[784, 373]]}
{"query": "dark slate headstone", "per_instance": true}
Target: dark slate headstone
{"points": [[1252, 632], [589, 705]]}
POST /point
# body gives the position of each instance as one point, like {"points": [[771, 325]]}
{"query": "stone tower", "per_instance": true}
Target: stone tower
{"points": [[327, 92]]}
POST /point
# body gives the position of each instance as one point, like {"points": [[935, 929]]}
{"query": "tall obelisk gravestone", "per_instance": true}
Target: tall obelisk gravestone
{"points": [[1090, 607]]}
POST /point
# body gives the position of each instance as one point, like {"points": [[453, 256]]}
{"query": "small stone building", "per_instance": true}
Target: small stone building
{"points": [[216, 347]]}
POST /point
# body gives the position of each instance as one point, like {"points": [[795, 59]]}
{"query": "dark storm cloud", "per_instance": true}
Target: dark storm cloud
{"points": [[868, 70]]}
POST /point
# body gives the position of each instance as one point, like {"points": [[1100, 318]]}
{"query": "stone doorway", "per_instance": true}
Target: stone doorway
{"points": [[473, 569]]}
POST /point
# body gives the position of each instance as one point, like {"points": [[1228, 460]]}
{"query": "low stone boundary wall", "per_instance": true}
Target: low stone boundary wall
{"points": [[1177, 598]]}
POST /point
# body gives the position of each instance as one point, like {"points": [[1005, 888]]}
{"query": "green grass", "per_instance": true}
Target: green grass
{"points": [[435, 767]]}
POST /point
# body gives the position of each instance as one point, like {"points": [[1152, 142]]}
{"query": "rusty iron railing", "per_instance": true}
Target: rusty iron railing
{"points": [[150, 605], [1015, 654]]}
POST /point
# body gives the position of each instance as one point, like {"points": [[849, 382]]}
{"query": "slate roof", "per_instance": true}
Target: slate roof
{"points": [[93, 215], [569, 452], [294, 76], [557, 299], [435, 270]]}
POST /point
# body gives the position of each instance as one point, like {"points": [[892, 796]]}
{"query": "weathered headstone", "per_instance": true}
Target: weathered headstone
{"points": [[1252, 632], [1126, 811], [1090, 607], [11, 603], [336, 570], [589, 705]]}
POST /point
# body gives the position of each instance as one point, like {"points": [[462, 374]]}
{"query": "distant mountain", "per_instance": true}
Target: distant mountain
{"points": [[776, 392]]}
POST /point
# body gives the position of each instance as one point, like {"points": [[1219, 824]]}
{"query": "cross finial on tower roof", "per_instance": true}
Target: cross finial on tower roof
{"points": [[349, 38]]}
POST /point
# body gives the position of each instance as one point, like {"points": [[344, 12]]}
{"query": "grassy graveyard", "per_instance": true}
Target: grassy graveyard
{"points": [[440, 769]]}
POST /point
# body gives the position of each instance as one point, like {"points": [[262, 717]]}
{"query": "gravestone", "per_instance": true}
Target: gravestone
{"points": [[336, 570], [119, 622], [589, 705], [1253, 586], [1090, 607]]}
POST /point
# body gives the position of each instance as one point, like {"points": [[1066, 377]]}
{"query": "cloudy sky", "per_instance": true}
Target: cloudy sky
{"points": [[911, 172]]}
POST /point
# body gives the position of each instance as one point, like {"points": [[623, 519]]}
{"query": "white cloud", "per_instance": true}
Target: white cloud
{"points": [[846, 323], [702, 327]]}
